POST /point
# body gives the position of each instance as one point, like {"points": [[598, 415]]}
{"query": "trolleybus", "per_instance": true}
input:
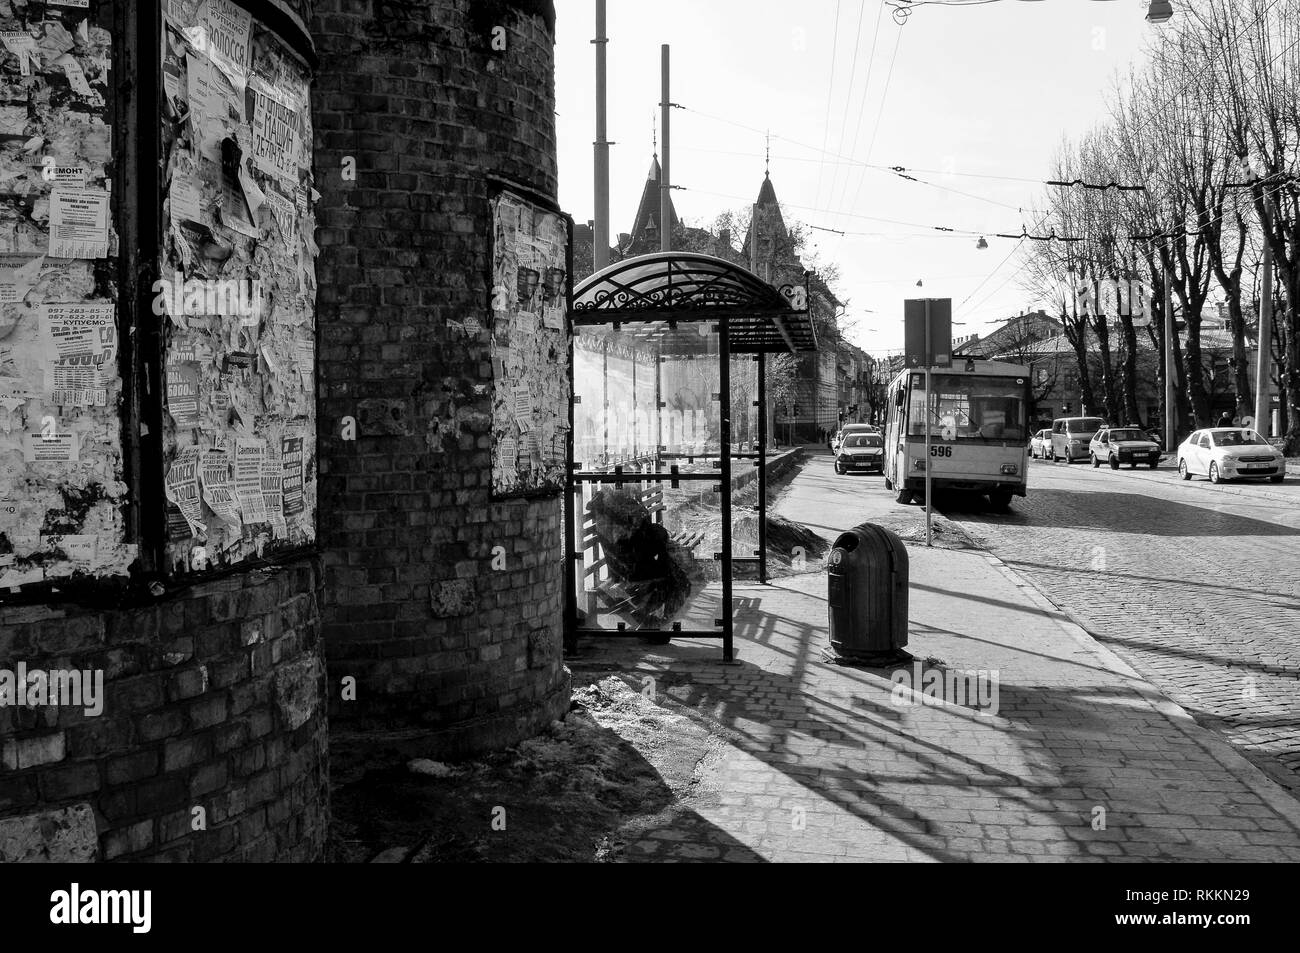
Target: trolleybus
{"points": [[979, 431]]}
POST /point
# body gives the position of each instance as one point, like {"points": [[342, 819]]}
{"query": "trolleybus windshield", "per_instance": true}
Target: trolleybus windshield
{"points": [[970, 407]]}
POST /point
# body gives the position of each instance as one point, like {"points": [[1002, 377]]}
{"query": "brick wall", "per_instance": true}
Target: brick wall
{"points": [[212, 700], [413, 109]]}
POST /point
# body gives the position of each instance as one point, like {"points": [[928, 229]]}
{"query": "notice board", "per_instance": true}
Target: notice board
{"points": [[62, 489], [531, 292], [237, 291]]}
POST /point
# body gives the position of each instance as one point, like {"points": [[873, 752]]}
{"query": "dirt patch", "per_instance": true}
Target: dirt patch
{"points": [[617, 765]]}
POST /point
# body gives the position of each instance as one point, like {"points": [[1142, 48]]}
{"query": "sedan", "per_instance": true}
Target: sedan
{"points": [[1116, 445], [1230, 453], [861, 451], [1041, 444]]}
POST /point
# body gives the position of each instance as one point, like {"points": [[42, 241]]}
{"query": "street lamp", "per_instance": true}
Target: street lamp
{"points": [[1159, 11], [981, 244]]}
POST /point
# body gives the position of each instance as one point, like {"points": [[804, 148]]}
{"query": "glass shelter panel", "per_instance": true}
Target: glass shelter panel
{"points": [[647, 556], [744, 463], [647, 397]]}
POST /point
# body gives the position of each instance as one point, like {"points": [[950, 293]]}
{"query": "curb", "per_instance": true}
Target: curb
{"points": [[1271, 792]]}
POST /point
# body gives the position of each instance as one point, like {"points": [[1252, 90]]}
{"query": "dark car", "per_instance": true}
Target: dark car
{"points": [[1119, 445], [862, 452]]}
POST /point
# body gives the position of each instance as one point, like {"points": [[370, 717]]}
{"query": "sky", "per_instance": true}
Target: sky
{"points": [[973, 100]]}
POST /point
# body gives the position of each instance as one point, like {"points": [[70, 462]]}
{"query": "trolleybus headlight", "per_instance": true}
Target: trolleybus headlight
{"points": [[918, 463], [1010, 469]]}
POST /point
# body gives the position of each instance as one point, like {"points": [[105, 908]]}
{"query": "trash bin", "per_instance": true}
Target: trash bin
{"points": [[867, 585]]}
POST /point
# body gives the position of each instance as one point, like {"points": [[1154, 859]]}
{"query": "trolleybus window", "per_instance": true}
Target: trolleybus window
{"points": [[969, 407]]}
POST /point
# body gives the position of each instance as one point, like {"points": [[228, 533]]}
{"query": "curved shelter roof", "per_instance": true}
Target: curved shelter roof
{"points": [[686, 286]]}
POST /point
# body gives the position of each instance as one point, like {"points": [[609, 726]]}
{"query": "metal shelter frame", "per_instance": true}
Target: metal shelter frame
{"points": [[664, 298]]}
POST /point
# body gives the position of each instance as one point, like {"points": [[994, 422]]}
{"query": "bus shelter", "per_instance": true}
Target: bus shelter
{"points": [[668, 427]]}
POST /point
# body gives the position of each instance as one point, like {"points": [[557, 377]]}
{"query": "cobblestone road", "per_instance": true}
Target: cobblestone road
{"points": [[1079, 759], [1196, 586]]}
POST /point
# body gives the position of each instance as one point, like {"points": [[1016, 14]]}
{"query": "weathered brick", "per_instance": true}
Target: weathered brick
{"points": [[208, 712], [209, 778], [183, 752], [128, 840], [20, 753], [188, 684], [161, 794], [133, 767], [160, 724], [69, 782]]}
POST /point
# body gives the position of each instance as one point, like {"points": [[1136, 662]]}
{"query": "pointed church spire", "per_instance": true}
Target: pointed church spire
{"points": [[769, 223], [647, 215]]}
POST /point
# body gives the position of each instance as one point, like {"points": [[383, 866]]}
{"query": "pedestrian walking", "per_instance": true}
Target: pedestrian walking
{"points": [[1225, 420]]}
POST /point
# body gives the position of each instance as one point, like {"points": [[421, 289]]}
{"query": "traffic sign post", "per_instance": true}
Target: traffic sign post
{"points": [[929, 402], [927, 342]]}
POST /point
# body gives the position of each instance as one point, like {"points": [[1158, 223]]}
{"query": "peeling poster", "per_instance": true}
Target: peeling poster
{"points": [[182, 487], [78, 223]]}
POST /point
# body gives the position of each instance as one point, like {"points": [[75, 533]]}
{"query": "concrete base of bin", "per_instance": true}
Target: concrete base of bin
{"points": [[869, 659]]}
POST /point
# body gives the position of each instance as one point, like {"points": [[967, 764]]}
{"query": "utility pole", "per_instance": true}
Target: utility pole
{"points": [[1263, 417], [600, 243], [665, 182], [929, 403]]}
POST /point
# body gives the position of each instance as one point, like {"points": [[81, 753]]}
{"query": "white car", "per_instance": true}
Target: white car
{"points": [[1041, 444], [838, 439], [861, 451], [1230, 453]]}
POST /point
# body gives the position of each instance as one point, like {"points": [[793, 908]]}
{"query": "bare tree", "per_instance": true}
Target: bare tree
{"points": [[1254, 47]]}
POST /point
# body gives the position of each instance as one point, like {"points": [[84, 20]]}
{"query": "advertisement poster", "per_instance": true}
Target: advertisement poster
{"points": [[291, 457], [248, 480], [283, 210], [223, 34], [23, 46], [183, 394], [50, 448], [185, 194], [275, 133], [182, 488], [205, 106], [218, 487], [80, 342], [78, 223], [272, 496]]}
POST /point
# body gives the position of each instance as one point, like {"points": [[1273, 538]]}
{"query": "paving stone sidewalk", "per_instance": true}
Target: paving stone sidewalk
{"points": [[1083, 759]]}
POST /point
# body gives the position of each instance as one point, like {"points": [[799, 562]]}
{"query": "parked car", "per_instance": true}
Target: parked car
{"points": [[1118, 445], [1230, 453], [1071, 436], [847, 429], [862, 452], [1040, 445]]}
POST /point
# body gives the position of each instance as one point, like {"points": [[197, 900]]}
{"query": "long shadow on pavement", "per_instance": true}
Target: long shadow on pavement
{"points": [[1181, 519], [1040, 800]]}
